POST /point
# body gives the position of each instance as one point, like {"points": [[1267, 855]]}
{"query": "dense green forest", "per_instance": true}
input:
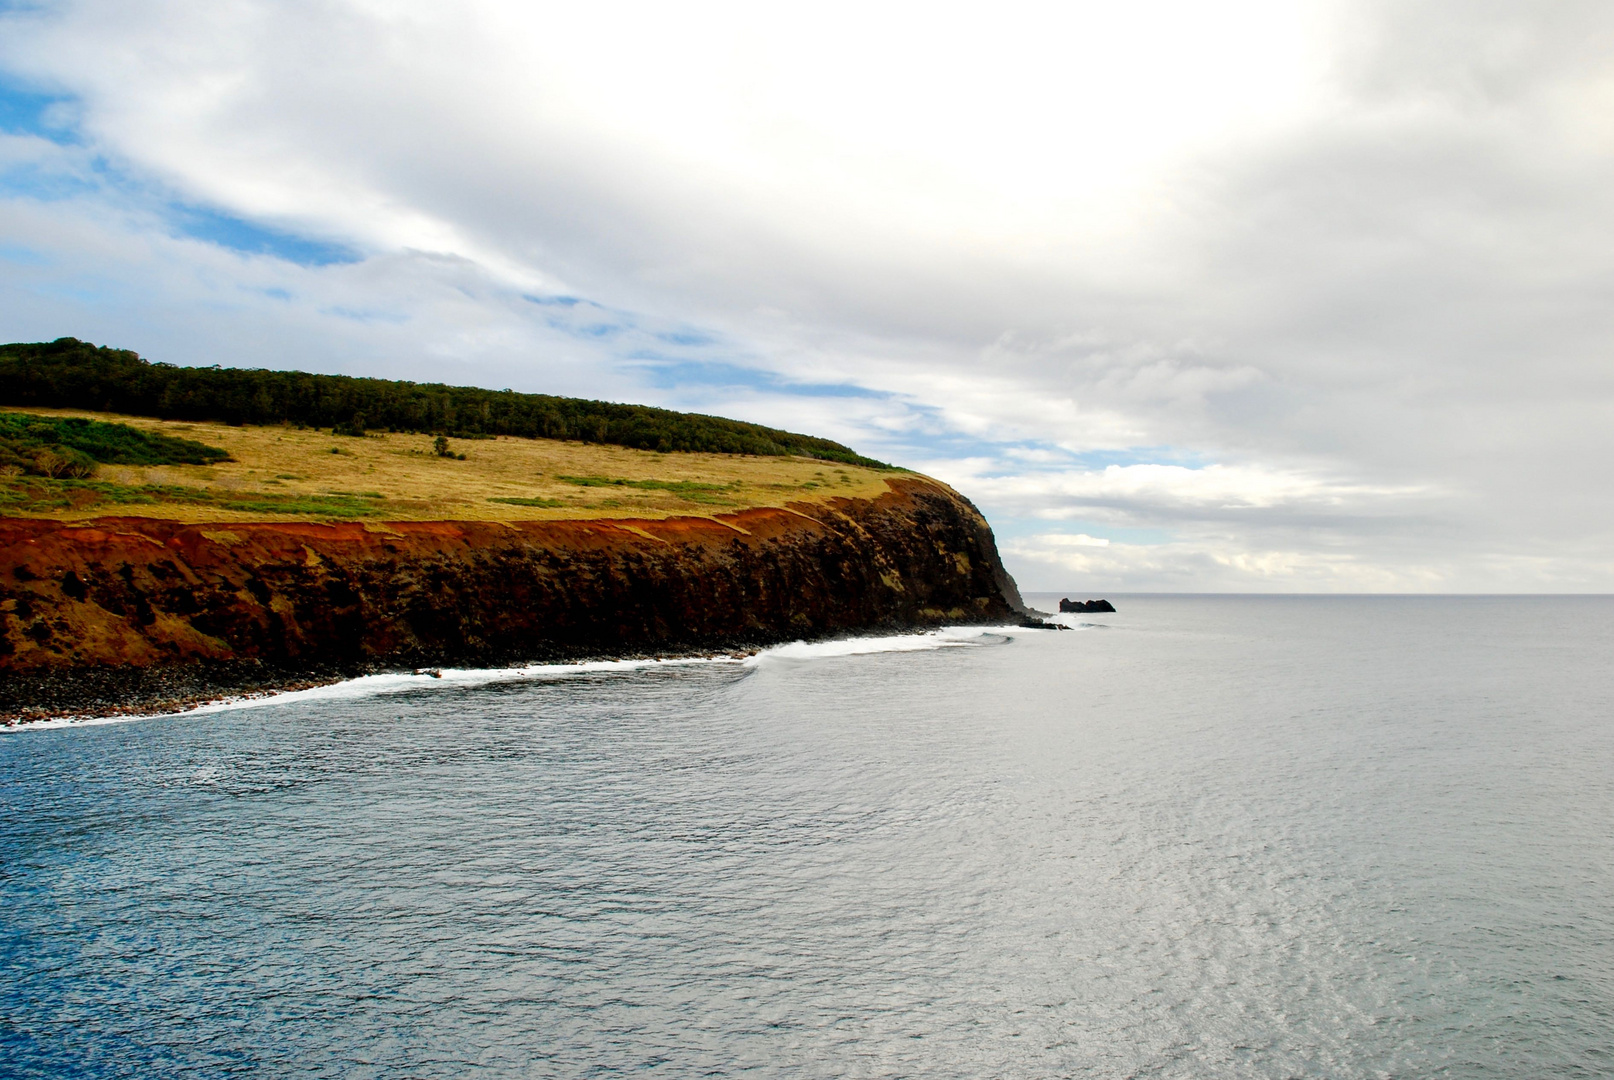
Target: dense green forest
{"points": [[72, 374], [56, 446]]}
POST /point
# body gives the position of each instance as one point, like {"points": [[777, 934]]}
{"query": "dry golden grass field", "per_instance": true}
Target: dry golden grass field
{"points": [[283, 473]]}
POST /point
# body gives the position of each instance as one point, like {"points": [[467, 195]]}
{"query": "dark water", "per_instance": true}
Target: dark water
{"points": [[1214, 837]]}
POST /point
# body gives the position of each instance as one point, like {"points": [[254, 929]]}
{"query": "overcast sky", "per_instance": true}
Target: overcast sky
{"points": [[1262, 295]]}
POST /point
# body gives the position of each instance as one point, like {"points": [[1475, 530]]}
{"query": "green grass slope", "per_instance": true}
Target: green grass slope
{"points": [[73, 446]]}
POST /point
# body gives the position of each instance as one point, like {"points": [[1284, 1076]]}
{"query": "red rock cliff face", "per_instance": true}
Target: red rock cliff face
{"points": [[118, 608]]}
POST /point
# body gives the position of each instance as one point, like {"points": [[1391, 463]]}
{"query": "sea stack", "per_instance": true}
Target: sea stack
{"points": [[1068, 606]]}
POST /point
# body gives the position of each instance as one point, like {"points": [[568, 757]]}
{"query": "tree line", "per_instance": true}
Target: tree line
{"points": [[72, 374]]}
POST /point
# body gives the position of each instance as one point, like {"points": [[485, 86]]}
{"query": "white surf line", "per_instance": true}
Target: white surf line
{"points": [[1072, 621], [367, 686], [946, 637]]}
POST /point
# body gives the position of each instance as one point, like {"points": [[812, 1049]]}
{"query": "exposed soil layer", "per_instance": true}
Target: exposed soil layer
{"points": [[137, 614]]}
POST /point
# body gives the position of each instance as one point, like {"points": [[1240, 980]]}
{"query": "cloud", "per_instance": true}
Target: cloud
{"points": [[1152, 489], [1307, 293], [1227, 563], [1207, 566]]}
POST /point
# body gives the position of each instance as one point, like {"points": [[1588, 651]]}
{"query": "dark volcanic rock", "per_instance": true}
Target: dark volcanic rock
{"points": [[139, 613], [1031, 622], [1067, 606]]}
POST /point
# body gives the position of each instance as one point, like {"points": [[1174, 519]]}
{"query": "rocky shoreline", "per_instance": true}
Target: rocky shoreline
{"points": [[126, 691], [100, 693]]}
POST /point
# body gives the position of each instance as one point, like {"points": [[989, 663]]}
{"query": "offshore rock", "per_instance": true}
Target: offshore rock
{"points": [[134, 614], [1068, 606]]}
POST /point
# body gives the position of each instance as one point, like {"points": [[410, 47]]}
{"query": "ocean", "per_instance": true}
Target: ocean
{"points": [[1205, 836]]}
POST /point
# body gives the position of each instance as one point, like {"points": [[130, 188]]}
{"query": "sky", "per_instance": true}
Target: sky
{"points": [[1254, 296]]}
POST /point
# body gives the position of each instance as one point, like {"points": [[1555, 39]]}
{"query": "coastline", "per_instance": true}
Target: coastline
{"points": [[136, 616]]}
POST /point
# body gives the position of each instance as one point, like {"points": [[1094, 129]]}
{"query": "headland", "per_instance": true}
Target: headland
{"points": [[283, 555]]}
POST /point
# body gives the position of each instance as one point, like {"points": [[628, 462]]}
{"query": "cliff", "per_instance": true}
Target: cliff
{"points": [[116, 613]]}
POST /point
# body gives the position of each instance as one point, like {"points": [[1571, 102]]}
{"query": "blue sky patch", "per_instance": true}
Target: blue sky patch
{"points": [[608, 323], [24, 111], [29, 181], [686, 337], [591, 332], [239, 234], [22, 256], [671, 373], [97, 176]]}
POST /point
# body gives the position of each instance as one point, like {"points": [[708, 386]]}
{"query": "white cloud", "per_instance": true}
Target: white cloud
{"points": [[1062, 542], [1053, 564], [1211, 488], [1327, 282]]}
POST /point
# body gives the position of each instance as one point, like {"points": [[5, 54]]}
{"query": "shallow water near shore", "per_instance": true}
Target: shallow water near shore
{"points": [[1206, 836]]}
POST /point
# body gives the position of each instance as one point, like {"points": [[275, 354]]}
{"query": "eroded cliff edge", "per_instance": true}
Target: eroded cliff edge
{"points": [[121, 613]]}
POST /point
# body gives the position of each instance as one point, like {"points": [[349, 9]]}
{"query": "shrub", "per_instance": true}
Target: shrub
{"points": [[70, 446]]}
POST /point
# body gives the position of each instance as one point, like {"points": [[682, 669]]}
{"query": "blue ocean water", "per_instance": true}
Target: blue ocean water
{"points": [[1201, 837]]}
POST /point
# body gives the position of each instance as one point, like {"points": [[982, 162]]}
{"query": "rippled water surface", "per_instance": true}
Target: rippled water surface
{"points": [[1215, 836]]}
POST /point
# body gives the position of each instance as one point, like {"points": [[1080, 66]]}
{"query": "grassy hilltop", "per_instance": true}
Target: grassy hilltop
{"points": [[85, 432], [285, 473]]}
